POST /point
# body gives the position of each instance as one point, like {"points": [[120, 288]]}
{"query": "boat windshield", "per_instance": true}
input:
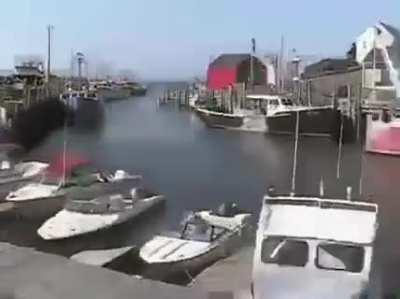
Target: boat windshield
{"points": [[274, 103], [201, 232], [283, 251], [340, 257]]}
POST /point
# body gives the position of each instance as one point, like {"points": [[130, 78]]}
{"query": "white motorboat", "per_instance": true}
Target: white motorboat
{"points": [[21, 171], [86, 216], [309, 247], [55, 189], [205, 238]]}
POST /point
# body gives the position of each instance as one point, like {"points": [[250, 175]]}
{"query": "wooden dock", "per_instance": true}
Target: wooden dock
{"points": [[26, 273], [229, 278]]}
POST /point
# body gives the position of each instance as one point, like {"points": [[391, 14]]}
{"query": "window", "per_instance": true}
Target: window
{"points": [[274, 103], [281, 251], [287, 102], [340, 257], [197, 232]]}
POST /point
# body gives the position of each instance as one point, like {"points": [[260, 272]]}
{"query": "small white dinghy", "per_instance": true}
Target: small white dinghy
{"points": [[21, 171], [205, 238], [86, 216], [309, 247]]}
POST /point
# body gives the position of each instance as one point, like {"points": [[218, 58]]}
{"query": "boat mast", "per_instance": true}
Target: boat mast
{"points": [[281, 66], [339, 159], [64, 158], [252, 53], [296, 143], [49, 31]]}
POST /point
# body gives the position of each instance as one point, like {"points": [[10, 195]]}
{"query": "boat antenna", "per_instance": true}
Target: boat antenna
{"points": [[252, 54], [360, 184], [64, 155], [348, 192], [296, 144], [339, 159], [281, 65], [321, 187]]}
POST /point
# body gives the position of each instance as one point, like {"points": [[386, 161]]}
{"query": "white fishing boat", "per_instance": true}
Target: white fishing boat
{"points": [[205, 238], [86, 216], [21, 171], [274, 114], [109, 91], [310, 247], [313, 247]]}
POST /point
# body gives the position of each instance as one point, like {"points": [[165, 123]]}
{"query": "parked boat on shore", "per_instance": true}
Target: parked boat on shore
{"points": [[86, 216], [206, 237]]}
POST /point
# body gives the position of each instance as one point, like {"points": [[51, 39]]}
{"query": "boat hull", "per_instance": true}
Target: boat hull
{"points": [[183, 271], [220, 120], [122, 217], [314, 122], [113, 94], [382, 137], [36, 209]]}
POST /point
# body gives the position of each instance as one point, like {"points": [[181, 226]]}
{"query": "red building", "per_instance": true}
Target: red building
{"points": [[229, 69]]}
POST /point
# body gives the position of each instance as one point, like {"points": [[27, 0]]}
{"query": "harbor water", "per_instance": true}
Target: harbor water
{"points": [[196, 167]]}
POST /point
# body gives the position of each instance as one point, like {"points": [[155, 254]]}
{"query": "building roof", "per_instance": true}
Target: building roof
{"points": [[329, 66], [315, 218], [229, 60]]}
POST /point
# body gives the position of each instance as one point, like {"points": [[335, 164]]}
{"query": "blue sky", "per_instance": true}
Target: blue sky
{"points": [[172, 39]]}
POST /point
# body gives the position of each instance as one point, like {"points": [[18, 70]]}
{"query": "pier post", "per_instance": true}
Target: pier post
{"points": [[359, 110], [231, 99]]}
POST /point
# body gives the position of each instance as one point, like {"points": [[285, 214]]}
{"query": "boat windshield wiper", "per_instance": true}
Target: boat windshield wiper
{"points": [[277, 249]]}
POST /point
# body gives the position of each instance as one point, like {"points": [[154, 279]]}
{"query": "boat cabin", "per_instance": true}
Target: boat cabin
{"points": [[308, 247], [268, 104]]}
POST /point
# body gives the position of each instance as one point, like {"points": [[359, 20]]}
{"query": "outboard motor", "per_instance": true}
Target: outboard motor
{"points": [[228, 210], [5, 165]]}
